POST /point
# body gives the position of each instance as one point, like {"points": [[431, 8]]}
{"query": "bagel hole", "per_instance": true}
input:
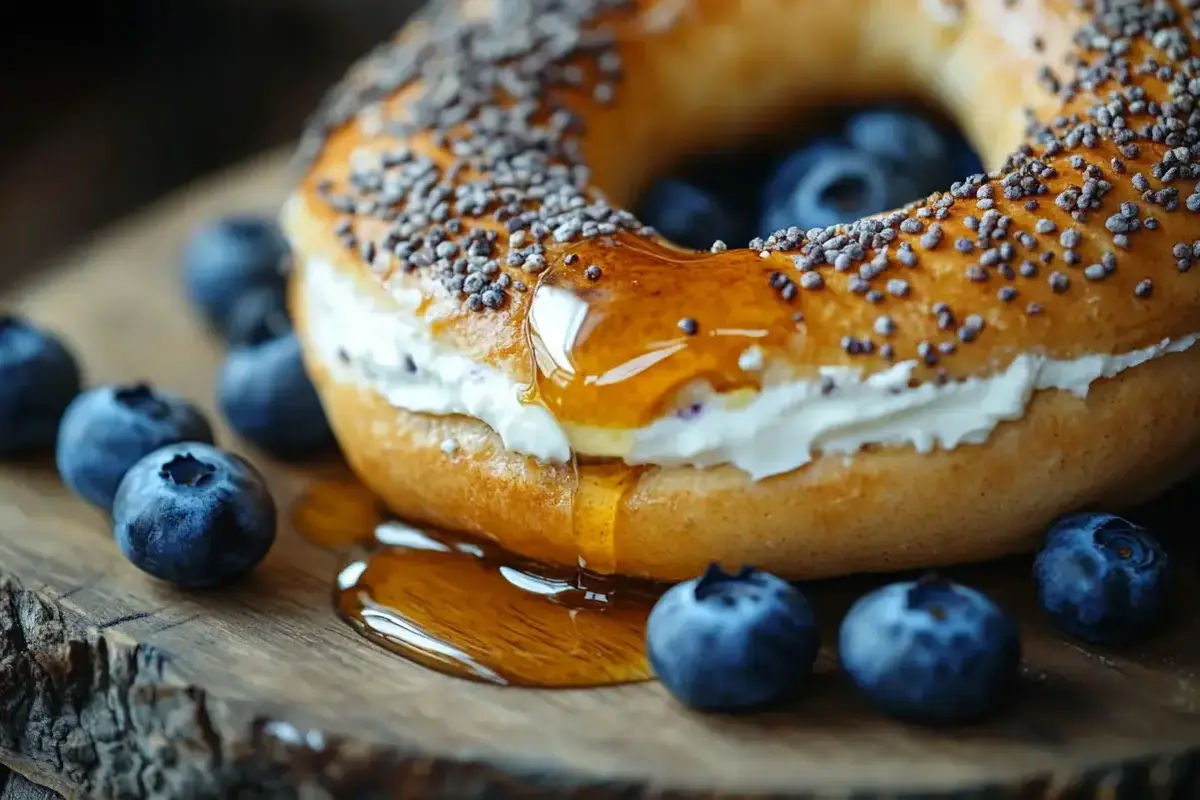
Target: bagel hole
{"points": [[739, 174], [846, 192]]}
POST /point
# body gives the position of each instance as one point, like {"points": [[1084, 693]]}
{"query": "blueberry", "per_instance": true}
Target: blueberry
{"points": [[256, 316], [38, 379], [843, 185], [267, 397], [963, 161], [730, 642], [194, 515], [227, 258], [107, 430], [780, 189], [930, 651], [905, 140], [1101, 578], [689, 215]]}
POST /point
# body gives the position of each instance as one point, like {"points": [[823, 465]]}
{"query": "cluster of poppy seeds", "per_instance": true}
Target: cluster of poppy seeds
{"points": [[518, 188]]}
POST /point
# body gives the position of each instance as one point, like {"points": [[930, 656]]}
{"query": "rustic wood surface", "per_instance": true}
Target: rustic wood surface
{"points": [[113, 685], [15, 786]]}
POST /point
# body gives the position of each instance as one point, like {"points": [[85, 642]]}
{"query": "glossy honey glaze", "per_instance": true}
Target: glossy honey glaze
{"points": [[467, 608], [616, 351]]}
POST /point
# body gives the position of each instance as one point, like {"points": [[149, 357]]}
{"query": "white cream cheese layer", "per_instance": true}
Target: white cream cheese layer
{"points": [[393, 353], [778, 430]]}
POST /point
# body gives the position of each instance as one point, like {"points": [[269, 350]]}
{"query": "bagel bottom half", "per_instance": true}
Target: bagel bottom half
{"points": [[880, 510]]}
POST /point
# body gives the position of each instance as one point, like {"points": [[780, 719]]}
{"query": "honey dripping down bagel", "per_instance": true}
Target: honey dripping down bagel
{"points": [[477, 168]]}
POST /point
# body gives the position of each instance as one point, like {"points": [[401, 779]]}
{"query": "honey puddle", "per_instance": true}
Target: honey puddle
{"points": [[467, 608]]}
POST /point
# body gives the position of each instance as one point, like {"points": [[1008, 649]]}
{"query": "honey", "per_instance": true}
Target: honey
{"points": [[597, 509], [467, 608], [614, 352]]}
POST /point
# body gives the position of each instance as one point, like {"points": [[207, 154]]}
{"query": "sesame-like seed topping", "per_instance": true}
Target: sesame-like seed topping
{"points": [[927, 352], [513, 190], [971, 328], [812, 280], [932, 237]]}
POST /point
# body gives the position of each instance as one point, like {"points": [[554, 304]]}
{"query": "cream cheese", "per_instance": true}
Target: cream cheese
{"points": [[780, 429], [392, 352]]}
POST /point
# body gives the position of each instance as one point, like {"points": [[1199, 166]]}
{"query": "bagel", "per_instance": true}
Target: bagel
{"points": [[503, 349]]}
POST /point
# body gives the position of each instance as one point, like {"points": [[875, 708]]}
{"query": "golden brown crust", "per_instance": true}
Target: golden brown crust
{"points": [[985, 68], [882, 510], [491, 152]]}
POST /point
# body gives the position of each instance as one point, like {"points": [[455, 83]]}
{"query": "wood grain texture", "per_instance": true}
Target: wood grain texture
{"points": [[15, 786], [113, 685]]}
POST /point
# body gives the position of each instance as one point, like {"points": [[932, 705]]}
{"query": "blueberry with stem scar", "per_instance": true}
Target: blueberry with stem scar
{"points": [[193, 515], [1101, 578], [107, 430], [930, 651], [731, 642]]}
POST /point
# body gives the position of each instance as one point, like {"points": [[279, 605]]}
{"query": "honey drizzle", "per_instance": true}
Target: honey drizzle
{"points": [[468, 608], [336, 514], [613, 353], [597, 512]]}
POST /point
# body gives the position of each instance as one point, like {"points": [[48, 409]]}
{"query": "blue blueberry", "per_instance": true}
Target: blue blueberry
{"points": [[1102, 578], [730, 642], [963, 161], [38, 379], [227, 258], [690, 216], [778, 196], [107, 430], [906, 140], [842, 185], [194, 515], [256, 316], [930, 651], [267, 397], [913, 145]]}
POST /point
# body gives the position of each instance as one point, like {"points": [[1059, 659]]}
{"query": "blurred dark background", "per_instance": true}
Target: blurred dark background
{"points": [[108, 105]]}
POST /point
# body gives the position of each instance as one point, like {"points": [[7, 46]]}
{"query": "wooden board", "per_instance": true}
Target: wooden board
{"points": [[15, 786], [114, 685]]}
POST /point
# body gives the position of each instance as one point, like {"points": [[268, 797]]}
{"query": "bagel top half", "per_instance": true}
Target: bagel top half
{"points": [[468, 180]]}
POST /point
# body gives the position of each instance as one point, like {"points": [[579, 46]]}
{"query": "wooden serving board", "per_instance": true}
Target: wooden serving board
{"points": [[112, 684]]}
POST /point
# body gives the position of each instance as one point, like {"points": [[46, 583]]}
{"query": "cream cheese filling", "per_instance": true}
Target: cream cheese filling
{"points": [[768, 433]]}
